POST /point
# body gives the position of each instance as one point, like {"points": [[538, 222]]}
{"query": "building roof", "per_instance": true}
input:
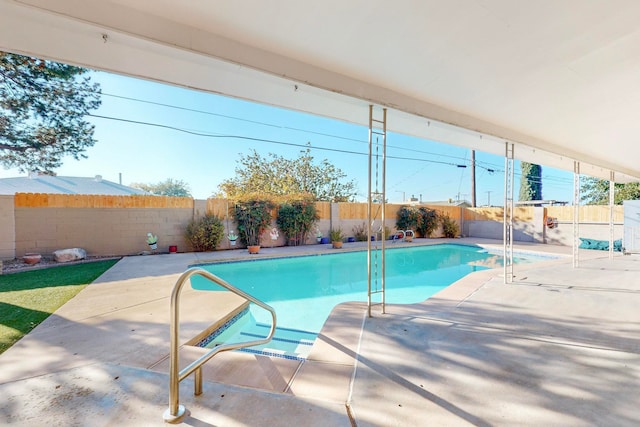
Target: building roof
{"points": [[65, 185], [450, 202]]}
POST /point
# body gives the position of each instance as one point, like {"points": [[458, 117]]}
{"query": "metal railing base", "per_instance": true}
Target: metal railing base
{"points": [[174, 419]]}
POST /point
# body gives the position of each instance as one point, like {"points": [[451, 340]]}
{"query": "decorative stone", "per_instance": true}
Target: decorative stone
{"points": [[67, 255]]}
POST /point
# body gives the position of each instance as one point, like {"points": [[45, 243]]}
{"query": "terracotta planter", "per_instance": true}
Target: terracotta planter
{"points": [[31, 258], [253, 249], [337, 245]]}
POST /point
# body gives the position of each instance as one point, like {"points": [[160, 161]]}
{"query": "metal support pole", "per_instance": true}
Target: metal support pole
{"points": [[576, 212], [380, 200], [369, 210], [473, 178], [507, 232], [612, 180], [511, 210], [384, 208]]}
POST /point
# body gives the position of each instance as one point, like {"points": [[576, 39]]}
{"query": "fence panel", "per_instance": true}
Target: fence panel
{"points": [[587, 214], [40, 200]]}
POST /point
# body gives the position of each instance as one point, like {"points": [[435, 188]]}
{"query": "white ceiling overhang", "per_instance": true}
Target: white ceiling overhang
{"points": [[559, 79]]}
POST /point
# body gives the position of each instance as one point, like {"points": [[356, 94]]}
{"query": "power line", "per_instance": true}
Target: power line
{"points": [[487, 166], [248, 138], [262, 123]]}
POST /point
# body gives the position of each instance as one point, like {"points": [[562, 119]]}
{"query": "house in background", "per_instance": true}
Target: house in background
{"points": [[450, 202], [39, 183]]}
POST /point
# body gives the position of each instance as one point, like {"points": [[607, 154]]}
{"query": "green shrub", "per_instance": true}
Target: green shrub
{"points": [[428, 221], [421, 220], [205, 233], [449, 226], [360, 232], [296, 219], [408, 218], [252, 217]]}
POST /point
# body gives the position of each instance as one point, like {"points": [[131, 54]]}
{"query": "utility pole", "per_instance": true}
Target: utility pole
{"points": [[489, 197], [473, 178]]}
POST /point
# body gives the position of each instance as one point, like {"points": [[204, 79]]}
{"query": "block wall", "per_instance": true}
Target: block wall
{"points": [[7, 228], [100, 231]]}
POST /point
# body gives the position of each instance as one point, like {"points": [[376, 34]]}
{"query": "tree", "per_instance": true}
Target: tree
{"points": [[276, 175], [42, 110], [168, 187], [595, 191], [531, 182]]}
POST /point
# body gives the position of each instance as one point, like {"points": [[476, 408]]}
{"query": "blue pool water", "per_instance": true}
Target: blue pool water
{"points": [[304, 290]]}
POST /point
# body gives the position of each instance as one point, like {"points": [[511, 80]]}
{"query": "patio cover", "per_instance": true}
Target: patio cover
{"points": [[557, 78]]}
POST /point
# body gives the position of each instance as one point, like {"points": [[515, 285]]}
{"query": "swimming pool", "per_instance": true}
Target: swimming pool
{"points": [[304, 290]]}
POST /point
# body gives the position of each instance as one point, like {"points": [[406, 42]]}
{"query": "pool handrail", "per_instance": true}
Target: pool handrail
{"points": [[175, 412]]}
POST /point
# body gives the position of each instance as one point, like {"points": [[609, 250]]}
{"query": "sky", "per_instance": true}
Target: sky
{"points": [[148, 132]]}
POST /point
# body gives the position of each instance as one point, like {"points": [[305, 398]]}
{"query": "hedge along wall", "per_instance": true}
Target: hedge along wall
{"points": [[102, 225], [351, 215], [223, 209]]}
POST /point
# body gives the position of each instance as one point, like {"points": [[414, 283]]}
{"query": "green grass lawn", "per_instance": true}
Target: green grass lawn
{"points": [[27, 298]]}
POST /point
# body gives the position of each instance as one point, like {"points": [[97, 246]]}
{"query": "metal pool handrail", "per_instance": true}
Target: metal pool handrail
{"points": [[175, 412]]}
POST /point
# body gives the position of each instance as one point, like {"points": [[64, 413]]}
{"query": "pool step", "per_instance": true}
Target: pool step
{"points": [[286, 343], [291, 343]]}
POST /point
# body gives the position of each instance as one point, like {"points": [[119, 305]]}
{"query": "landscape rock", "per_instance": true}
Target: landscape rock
{"points": [[67, 255]]}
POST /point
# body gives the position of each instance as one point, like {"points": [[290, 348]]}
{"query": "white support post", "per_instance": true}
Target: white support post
{"points": [[507, 233], [377, 127], [369, 209], [576, 212], [612, 180]]}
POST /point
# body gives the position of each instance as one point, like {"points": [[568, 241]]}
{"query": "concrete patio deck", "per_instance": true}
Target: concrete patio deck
{"points": [[559, 346]]}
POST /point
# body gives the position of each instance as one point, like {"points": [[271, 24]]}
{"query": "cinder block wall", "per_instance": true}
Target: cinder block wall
{"points": [[100, 231], [118, 225], [7, 228]]}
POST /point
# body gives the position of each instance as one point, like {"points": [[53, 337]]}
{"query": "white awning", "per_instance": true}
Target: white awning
{"points": [[557, 78]]}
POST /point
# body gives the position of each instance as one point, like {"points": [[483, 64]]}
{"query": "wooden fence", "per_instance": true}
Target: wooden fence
{"points": [[39, 200], [587, 214], [358, 211]]}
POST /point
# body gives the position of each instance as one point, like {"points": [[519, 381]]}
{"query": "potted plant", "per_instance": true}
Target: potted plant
{"points": [[28, 258], [253, 217], [232, 238], [336, 237], [318, 235], [152, 241]]}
